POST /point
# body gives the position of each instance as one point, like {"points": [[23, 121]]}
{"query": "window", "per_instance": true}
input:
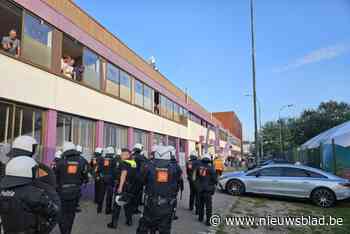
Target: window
{"points": [[80, 131], [176, 112], [37, 41], [163, 106], [195, 119], [115, 136], [158, 139], [272, 171], [141, 137], [183, 115], [147, 98], [296, 172], [170, 109], [125, 86], [172, 141], [138, 93], [11, 19], [91, 64], [16, 120], [72, 58], [222, 135], [112, 83], [156, 102]]}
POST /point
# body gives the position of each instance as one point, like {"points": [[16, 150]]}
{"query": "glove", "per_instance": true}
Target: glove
{"points": [[118, 200]]}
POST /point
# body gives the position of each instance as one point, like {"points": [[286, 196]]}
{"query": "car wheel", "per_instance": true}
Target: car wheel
{"points": [[323, 197], [235, 187]]}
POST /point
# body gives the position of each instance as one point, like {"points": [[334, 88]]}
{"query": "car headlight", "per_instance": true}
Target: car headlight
{"points": [[223, 177]]}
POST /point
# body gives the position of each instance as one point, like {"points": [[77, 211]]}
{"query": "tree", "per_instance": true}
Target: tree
{"points": [[309, 124]]}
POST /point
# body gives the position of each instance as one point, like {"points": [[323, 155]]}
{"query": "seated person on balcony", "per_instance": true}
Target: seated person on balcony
{"points": [[67, 66], [11, 44]]}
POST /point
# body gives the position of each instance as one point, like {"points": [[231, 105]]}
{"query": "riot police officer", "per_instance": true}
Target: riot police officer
{"points": [[71, 173], [117, 202], [180, 185], [25, 208], [141, 162], [206, 179], [160, 191], [191, 166], [94, 168], [106, 172], [27, 146], [127, 184]]}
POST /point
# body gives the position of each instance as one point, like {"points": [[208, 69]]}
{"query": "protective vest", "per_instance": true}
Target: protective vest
{"points": [[219, 164], [191, 165], [205, 178], [19, 201], [162, 179], [130, 185], [70, 171]]}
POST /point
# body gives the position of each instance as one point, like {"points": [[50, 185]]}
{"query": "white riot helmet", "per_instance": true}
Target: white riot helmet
{"points": [[26, 143], [79, 148], [119, 201], [206, 156], [21, 166], [109, 150], [58, 154], [98, 150], [67, 146], [194, 153], [138, 147], [164, 152]]}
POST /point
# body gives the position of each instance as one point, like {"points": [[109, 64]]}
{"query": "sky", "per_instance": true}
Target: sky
{"points": [[204, 46]]}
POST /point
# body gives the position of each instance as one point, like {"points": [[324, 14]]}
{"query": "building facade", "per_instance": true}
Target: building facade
{"points": [[72, 80]]}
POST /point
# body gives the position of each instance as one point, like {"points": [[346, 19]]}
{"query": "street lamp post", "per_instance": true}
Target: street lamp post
{"points": [[281, 126], [253, 76], [261, 144]]}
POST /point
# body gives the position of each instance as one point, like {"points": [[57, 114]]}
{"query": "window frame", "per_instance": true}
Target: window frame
{"points": [[116, 68]]}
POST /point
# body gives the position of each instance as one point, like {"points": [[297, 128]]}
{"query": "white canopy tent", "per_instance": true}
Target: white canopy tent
{"points": [[340, 134]]}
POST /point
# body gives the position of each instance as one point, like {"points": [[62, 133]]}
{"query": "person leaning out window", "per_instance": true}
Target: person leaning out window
{"points": [[11, 44]]}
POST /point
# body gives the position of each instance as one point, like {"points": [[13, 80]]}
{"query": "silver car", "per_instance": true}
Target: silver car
{"points": [[322, 188]]}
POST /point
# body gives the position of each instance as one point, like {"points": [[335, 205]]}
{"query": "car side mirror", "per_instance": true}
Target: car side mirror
{"points": [[257, 175]]}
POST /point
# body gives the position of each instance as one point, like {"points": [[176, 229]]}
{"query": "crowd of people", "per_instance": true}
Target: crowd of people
{"points": [[34, 197]]}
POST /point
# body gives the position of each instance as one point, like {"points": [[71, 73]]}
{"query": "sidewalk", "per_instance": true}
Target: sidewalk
{"points": [[88, 222]]}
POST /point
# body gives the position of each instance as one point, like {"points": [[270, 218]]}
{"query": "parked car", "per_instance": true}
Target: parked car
{"points": [[290, 180], [274, 161]]}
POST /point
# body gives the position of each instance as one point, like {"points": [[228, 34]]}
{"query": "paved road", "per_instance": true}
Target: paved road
{"points": [[88, 222]]}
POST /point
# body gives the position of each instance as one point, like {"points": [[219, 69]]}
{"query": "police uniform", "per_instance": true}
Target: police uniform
{"points": [[71, 172], [24, 207], [106, 173], [94, 169], [129, 188], [191, 166], [162, 180], [141, 162], [206, 179], [116, 207], [180, 184]]}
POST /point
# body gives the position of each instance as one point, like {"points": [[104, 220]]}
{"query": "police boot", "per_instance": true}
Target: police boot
{"points": [[111, 225]]}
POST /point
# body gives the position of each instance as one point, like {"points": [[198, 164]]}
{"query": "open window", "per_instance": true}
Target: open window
{"points": [[72, 58], [11, 19], [156, 102]]}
